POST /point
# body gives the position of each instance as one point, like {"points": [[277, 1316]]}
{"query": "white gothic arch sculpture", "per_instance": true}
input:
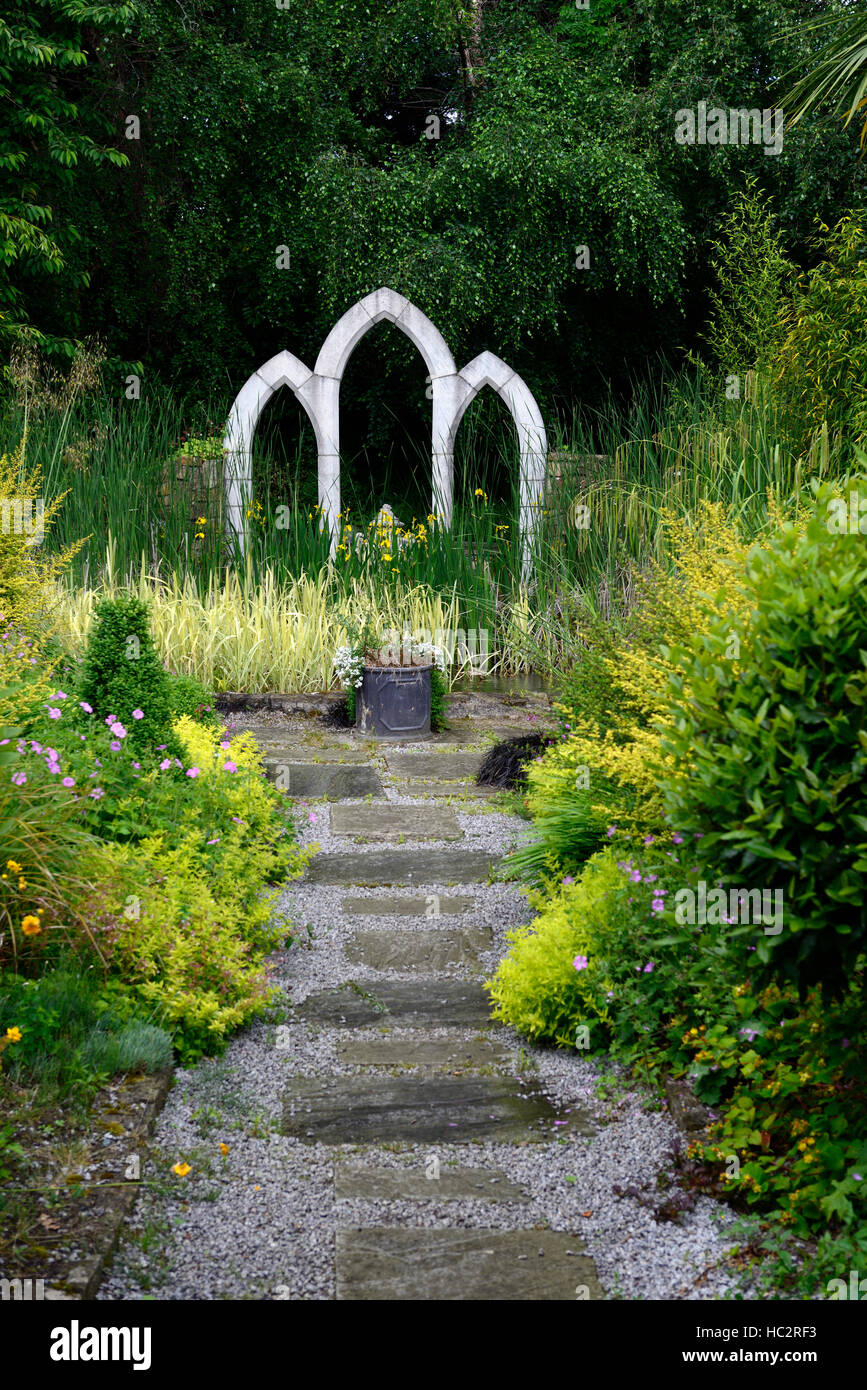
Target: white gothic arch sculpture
{"points": [[319, 393]]}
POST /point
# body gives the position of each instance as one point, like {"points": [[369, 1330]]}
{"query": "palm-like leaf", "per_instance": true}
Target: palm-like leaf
{"points": [[840, 76]]}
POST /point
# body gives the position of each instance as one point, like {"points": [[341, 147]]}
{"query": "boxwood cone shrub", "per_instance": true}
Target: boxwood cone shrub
{"points": [[767, 748], [122, 673]]}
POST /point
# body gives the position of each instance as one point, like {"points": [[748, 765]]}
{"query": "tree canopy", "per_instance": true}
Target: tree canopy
{"points": [[260, 167]]}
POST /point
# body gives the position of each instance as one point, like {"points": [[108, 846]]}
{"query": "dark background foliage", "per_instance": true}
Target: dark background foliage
{"points": [[304, 127]]}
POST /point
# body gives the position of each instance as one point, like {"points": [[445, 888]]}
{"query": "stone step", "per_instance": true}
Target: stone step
{"points": [[334, 781], [433, 1182], [388, 822], [428, 951], [393, 866], [445, 1054], [401, 1265], [435, 766], [405, 905], [420, 1109], [403, 1003]]}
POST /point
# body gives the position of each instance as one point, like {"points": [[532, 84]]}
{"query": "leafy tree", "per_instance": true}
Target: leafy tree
{"points": [[43, 45], [754, 280], [840, 76]]}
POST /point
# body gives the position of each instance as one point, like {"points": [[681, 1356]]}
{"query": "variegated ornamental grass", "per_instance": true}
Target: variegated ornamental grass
{"points": [[266, 636]]}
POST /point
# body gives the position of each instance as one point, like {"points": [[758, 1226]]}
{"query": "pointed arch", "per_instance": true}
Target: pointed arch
{"points": [[318, 391]]}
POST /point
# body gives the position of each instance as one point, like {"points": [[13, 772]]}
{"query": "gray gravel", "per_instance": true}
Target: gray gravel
{"points": [[259, 1222]]}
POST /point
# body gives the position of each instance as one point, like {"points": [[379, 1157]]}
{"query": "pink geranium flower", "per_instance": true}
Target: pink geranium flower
{"points": [[138, 714]]}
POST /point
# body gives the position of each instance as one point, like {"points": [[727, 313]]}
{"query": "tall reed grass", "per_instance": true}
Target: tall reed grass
{"points": [[273, 619]]}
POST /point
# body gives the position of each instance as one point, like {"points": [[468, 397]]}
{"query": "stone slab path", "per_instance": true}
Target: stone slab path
{"points": [[382, 1138]]}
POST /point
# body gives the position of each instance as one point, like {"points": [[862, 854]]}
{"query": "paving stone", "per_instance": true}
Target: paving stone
{"points": [[405, 905], [417, 1264], [328, 780], [401, 1003], [428, 951], [458, 1054], [435, 765], [277, 751], [443, 1184], [388, 822], [371, 1109], [442, 789], [389, 866]]}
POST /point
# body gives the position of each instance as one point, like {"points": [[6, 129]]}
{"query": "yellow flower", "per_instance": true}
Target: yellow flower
{"points": [[13, 866], [200, 535], [386, 557], [201, 520], [13, 1034], [479, 493], [22, 884], [181, 1169], [224, 1148], [31, 926]]}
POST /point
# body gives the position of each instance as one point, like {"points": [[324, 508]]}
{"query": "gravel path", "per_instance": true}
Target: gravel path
{"points": [[259, 1221]]}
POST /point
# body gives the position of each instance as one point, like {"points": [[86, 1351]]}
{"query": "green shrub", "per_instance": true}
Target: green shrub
{"points": [[191, 948], [768, 751], [122, 674], [790, 1076], [76, 1029], [595, 956], [754, 281], [822, 363], [187, 696]]}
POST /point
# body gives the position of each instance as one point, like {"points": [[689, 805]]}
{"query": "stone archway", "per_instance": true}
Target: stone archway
{"points": [[318, 391]]}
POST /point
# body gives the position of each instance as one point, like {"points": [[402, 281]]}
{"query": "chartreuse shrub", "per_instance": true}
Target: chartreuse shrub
{"points": [[605, 965], [122, 675], [594, 958], [191, 945], [186, 918], [27, 574], [766, 749], [605, 772]]}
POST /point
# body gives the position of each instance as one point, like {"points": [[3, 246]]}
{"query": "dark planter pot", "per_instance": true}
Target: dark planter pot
{"points": [[394, 702]]}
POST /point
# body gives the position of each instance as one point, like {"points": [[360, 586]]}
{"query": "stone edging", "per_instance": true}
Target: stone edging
{"points": [[460, 704], [687, 1112], [82, 1279]]}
